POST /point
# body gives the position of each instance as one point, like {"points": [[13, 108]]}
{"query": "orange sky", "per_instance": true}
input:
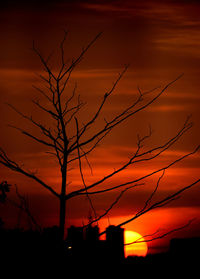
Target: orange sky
{"points": [[160, 40]]}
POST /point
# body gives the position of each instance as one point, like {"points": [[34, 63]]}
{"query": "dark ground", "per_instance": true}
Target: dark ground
{"points": [[32, 252]]}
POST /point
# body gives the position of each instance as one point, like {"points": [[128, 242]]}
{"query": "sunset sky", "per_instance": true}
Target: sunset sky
{"points": [[160, 40]]}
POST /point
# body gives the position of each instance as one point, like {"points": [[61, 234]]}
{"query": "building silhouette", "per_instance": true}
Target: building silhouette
{"points": [[185, 250], [86, 245], [115, 242]]}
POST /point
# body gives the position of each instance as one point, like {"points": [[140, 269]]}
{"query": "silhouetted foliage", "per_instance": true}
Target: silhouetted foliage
{"points": [[4, 189]]}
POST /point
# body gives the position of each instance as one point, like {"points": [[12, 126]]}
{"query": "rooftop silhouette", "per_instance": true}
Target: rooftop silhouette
{"points": [[84, 246]]}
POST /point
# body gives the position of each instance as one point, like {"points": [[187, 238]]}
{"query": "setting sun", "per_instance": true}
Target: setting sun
{"points": [[134, 249]]}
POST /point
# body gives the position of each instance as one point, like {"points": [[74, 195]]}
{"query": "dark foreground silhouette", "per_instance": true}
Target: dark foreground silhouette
{"points": [[33, 250]]}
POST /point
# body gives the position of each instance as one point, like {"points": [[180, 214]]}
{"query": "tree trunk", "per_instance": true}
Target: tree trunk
{"points": [[62, 217], [63, 199]]}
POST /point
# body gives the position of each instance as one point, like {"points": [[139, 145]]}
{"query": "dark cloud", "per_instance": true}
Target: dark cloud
{"points": [[35, 4]]}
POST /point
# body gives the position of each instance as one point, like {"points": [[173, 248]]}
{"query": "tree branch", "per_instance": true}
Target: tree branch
{"points": [[162, 202], [81, 172], [132, 160], [113, 204], [79, 192], [127, 113], [4, 160], [143, 238], [78, 59]]}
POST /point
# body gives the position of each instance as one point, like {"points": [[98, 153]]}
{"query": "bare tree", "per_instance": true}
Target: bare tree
{"points": [[22, 204], [71, 141]]}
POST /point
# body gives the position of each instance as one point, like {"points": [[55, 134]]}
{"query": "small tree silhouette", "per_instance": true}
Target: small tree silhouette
{"points": [[22, 204], [4, 190], [70, 141]]}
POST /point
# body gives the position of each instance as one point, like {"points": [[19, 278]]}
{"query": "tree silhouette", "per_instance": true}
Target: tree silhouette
{"points": [[4, 190], [71, 141]]}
